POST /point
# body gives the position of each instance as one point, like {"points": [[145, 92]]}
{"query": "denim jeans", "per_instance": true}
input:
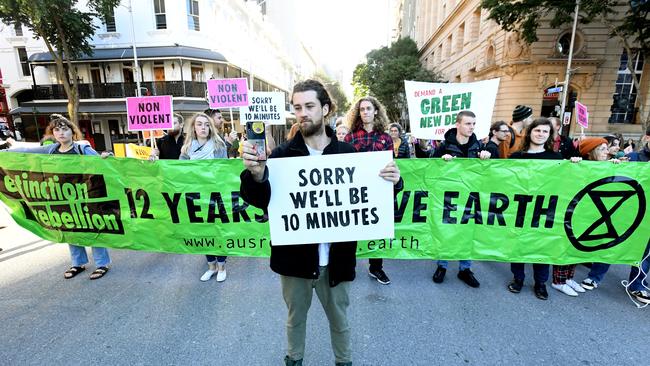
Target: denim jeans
{"points": [[80, 257], [597, 272], [540, 272], [212, 258], [462, 265], [638, 279]]}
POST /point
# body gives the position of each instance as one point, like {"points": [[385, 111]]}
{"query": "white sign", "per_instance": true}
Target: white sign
{"points": [[265, 107], [330, 198], [433, 106]]}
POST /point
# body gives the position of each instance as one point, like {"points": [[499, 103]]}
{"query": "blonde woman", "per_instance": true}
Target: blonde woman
{"points": [[202, 141]]}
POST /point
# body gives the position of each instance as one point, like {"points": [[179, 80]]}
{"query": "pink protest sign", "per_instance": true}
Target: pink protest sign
{"points": [[150, 113], [227, 93], [582, 116]]}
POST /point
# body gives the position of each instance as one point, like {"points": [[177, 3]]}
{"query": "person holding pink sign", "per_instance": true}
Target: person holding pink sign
{"points": [[202, 141]]}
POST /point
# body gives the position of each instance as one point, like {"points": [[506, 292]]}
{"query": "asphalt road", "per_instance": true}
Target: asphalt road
{"points": [[151, 309]]}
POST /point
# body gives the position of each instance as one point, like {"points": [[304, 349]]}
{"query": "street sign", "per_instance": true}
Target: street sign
{"points": [[557, 89]]}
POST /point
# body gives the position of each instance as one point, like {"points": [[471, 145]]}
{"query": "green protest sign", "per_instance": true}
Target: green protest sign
{"points": [[501, 210]]}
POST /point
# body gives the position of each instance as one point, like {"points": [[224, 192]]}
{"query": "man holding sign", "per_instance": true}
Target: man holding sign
{"points": [[326, 267]]}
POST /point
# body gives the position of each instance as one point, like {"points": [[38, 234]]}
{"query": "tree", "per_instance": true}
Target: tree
{"points": [[66, 30], [336, 92], [383, 75], [633, 30]]}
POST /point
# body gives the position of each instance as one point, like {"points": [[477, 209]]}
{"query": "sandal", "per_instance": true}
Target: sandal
{"points": [[98, 273], [73, 271]]}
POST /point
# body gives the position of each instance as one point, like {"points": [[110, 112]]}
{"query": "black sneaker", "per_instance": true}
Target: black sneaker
{"points": [[641, 296], [515, 286], [467, 276], [439, 274], [290, 362], [540, 291], [379, 275]]}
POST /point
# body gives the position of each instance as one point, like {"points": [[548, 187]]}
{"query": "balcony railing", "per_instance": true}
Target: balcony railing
{"points": [[193, 89]]}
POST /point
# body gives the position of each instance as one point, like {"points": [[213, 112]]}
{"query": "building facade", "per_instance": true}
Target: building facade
{"points": [[456, 38], [180, 45]]}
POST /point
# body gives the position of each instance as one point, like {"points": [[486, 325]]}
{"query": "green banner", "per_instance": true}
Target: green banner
{"points": [[498, 210]]}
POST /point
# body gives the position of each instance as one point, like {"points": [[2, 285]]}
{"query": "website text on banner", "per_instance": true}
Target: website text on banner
{"points": [[334, 192], [500, 210], [150, 113], [433, 106]]}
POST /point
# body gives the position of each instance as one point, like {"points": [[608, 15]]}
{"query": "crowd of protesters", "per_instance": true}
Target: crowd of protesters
{"points": [[365, 128]]}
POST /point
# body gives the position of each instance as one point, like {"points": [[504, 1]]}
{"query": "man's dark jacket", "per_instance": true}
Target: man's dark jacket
{"points": [[169, 148], [452, 147], [302, 260]]}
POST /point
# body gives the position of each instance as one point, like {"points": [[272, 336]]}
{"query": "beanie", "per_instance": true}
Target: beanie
{"points": [[589, 144], [521, 112]]}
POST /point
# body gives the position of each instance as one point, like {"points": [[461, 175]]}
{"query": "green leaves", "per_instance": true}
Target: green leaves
{"points": [[383, 75]]}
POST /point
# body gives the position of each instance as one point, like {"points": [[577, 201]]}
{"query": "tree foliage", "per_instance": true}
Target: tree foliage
{"points": [[336, 92], [384, 72], [632, 28], [66, 30]]}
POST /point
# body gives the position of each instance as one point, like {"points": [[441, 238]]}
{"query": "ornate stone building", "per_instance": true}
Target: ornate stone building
{"points": [[456, 38]]}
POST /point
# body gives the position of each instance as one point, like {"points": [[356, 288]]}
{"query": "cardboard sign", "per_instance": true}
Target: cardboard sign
{"points": [[138, 152], [265, 107], [156, 133], [433, 106], [330, 198], [226, 93], [582, 115], [150, 113]]}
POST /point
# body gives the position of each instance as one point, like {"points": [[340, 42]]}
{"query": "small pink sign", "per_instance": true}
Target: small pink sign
{"points": [[150, 113], [582, 115], [227, 93]]}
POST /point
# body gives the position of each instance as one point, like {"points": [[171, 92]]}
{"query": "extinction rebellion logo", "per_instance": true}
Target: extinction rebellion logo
{"points": [[65, 202], [605, 213]]}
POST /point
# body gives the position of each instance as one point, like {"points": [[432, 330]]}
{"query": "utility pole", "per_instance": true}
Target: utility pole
{"points": [[567, 78]]}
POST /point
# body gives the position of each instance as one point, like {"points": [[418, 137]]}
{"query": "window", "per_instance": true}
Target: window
{"points": [[18, 29], [24, 63], [624, 98], [564, 44], [450, 41], [193, 15], [476, 24], [109, 21], [262, 4], [461, 37], [159, 12], [197, 71]]}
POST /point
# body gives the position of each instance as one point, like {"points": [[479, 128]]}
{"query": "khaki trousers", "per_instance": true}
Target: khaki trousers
{"points": [[297, 293]]}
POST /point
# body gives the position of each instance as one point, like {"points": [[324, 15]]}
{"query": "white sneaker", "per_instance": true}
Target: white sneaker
{"points": [[575, 286], [565, 289], [589, 284], [221, 276], [208, 275]]}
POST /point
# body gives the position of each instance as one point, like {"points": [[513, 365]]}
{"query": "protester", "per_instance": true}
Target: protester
{"points": [[537, 144], [401, 148], [367, 121], [217, 117], [327, 268], [613, 145], [66, 134], [203, 141], [562, 144], [460, 142], [499, 133], [342, 131], [169, 146], [521, 119], [638, 286], [644, 151], [424, 148]]}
